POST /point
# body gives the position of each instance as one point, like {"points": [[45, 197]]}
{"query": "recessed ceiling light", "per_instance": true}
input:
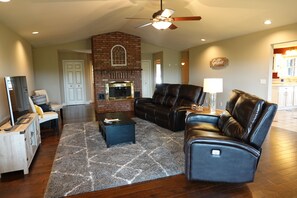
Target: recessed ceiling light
{"points": [[35, 33], [4, 1], [267, 22], [203, 40]]}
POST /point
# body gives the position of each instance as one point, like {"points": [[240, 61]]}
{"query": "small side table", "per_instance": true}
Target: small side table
{"points": [[205, 111]]}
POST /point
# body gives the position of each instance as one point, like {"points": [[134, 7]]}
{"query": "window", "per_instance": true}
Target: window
{"points": [[286, 66], [158, 73], [118, 56]]}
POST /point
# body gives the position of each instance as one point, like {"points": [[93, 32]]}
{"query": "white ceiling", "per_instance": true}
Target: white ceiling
{"points": [[62, 21]]}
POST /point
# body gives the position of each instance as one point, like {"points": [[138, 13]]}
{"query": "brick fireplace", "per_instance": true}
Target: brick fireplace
{"points": [[117, 64]]}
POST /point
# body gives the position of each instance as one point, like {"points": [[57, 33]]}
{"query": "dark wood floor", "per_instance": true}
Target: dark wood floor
{"points": [[276, 175]]}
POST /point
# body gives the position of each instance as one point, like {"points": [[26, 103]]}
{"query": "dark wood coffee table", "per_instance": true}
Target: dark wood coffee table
{"points": [[117, 132]]}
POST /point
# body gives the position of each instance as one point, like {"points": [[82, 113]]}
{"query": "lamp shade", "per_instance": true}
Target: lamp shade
{"points": [[213, 85]]}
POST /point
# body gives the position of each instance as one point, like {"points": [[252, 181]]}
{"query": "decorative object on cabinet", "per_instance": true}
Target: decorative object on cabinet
{"points": [[19, 145]]}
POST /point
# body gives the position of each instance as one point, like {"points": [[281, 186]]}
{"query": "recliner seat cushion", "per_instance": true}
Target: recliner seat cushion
{"points": [[203, 126], [163, 113]]}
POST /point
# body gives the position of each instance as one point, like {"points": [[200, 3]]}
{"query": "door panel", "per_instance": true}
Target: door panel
{"points": [[74, 82], [146, 78]]}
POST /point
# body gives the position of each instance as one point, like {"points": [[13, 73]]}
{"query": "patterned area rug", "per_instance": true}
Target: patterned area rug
{"points": [[83, 163]]}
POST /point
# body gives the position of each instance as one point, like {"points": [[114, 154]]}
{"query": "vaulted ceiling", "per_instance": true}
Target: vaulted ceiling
{"points": [[62, 21]]}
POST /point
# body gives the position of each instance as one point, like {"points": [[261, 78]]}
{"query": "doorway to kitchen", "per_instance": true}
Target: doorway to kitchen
{"points": [[284, 75]]}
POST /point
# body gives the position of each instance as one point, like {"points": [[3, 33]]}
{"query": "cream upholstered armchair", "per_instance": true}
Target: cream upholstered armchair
{"points": [[44, 117], [54, 106]]}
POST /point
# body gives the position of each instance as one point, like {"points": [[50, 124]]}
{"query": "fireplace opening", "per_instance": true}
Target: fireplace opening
{"points": [[119, 90]]}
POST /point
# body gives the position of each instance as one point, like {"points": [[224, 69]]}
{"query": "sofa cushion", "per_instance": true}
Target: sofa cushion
{"points": [[233, 129], [235, 94], [246, 112], [159, 94], [150, 109], [224, 117], [171, 95], [163, 112], [203, 126], [189, 94]]}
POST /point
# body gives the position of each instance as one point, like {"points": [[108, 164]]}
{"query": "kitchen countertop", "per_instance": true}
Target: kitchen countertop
{"points": [[284, 84]]}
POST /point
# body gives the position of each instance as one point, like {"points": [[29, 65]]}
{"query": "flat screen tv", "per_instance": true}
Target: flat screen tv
{"points": [[17, 97]]}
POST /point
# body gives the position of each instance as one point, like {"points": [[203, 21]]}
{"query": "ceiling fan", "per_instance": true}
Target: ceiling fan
{"points": [[162, 19]]}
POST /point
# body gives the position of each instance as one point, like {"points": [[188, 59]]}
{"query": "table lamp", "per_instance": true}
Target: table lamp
{"points": [[213, 86]]}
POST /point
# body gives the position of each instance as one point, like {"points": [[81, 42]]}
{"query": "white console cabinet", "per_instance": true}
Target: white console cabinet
{"points": [[19, 145]]}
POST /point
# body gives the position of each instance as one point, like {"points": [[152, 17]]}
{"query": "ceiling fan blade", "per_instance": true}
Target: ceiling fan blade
{"points": [[172, 27], [144, 25], [189, 18], [167, 13], [138, 18]]}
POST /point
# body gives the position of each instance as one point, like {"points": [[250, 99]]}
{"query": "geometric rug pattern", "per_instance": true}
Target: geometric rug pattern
{"points": [[83, 163]]}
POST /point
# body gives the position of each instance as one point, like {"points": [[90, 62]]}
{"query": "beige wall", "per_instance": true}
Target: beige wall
{"points": [[15, 60], [48, 67], [250, 60], [171, 61]]}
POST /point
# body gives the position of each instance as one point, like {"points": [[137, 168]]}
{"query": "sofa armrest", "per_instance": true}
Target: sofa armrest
{"points": [[217, 140], [142, 100], [213, 157], [193, 118], [178, 117]]}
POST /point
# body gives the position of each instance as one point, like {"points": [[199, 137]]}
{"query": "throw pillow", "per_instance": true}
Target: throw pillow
{"points": [[39, 100], [39, 110]]}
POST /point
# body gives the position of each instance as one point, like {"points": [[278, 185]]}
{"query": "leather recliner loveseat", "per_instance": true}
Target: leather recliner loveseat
{"points": [[169, 103], [227, 148]]}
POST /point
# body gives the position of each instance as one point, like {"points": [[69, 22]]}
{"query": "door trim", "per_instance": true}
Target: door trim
{"points": [[149, 76]]}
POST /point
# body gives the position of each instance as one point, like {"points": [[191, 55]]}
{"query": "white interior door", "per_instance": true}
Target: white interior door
{"points": [[74, 82], [146, 78]]}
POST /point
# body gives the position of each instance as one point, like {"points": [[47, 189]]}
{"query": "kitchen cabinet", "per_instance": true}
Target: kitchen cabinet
{"points": [[295, 96], [285, 96]]}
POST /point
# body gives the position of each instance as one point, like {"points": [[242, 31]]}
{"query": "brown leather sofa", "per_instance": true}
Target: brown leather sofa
{"points": [[169, 103], [227, 148]]}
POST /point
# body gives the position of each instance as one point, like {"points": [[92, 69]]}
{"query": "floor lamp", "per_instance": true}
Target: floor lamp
{"points": [[213, 86]]}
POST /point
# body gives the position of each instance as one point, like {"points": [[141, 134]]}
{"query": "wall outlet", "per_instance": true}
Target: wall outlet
{"points": [[221, 104]]}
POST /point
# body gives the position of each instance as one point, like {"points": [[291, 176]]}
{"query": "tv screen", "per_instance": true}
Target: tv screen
{"points": [[17, 97]]}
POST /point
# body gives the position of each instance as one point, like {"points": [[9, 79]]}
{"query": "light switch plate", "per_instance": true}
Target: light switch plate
{"points": [[263, 81]]}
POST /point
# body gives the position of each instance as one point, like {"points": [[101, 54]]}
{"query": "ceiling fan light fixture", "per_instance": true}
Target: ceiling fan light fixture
{"points": [[161, 25], [267, 22]]}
